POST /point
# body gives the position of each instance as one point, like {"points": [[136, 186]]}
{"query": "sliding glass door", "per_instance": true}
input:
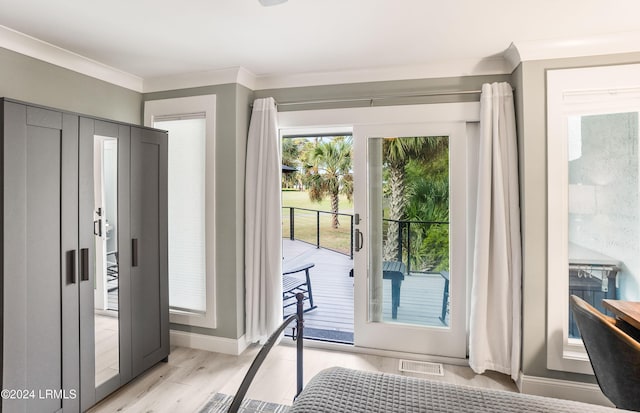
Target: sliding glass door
{"points": [[410, 238]]}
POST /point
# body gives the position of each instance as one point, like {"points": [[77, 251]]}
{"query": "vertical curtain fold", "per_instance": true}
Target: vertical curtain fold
{"points": [[263, 238], [494, 325]]}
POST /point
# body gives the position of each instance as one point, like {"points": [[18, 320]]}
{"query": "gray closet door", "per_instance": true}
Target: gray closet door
{"points": [[93, 392], [40, 258], [149, 282]]}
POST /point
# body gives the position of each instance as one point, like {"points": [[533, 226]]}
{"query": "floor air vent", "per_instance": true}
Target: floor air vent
{"points": [[422, 367]]}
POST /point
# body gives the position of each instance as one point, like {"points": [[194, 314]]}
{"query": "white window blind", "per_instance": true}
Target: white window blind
{"points": [[186, 209]]}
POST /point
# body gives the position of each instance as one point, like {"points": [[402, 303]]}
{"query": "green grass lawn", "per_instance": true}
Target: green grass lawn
{"points": [[300, 199], [305, 222]]}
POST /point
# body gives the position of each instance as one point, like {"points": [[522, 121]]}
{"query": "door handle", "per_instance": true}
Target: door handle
{"points": [[134, 252], [97, 231], [359, 240], [71, 266], [84, 264]]}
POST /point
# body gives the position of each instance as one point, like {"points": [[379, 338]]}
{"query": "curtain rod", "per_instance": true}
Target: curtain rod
{"points": [[378, 98]]}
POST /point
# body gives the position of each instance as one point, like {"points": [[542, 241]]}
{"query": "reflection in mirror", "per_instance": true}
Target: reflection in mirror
{"points": [[106, 281]]}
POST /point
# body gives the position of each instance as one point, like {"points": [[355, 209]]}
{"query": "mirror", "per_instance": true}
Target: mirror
{"points": [[107, 358]]}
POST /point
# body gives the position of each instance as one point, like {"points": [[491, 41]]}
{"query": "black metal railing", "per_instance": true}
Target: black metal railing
{"points": [[315, 227], [420, 247], [423, 246], [264, 351]]}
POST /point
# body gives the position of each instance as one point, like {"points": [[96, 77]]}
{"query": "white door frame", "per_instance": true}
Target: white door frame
{"points": [[451, 118]]}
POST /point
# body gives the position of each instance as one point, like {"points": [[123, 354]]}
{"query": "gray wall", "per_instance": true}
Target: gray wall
{"points": [[232, 125], [530, 82], [34, 81]]}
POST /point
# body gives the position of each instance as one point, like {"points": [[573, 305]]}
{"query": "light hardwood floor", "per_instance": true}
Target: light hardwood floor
{"points": [[190, 377], [106, 341]]}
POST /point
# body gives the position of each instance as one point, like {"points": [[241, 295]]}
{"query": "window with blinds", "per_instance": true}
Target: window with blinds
{"points": [[186, 209]]}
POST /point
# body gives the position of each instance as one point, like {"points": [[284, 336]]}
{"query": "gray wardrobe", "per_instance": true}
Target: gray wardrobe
{"points": [[84, 257]]}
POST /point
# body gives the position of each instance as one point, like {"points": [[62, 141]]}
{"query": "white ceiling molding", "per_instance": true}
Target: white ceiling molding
{"points": [[244, 77], [238, 75], [38, 49], [614, 43], [452, 68], [512, 57]]}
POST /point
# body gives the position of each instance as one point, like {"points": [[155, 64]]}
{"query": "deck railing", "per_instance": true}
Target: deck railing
{"points": [[314, 227], [418, 247]]}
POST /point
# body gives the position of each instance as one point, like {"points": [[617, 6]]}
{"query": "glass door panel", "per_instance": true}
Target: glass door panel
{"points": [[409, 229], [602, 208], [410, 268]]}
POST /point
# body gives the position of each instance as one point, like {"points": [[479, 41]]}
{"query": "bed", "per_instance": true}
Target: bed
{"points": [[341, 390], [338, 390]]}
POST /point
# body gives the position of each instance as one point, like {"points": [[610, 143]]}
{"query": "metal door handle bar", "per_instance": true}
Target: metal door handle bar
{"points": [[84, 264], [71, 266], [134, 252]]}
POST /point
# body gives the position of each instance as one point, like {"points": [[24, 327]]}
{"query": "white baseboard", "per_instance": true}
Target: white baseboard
{"points": [[563, 389], [209, 343]]}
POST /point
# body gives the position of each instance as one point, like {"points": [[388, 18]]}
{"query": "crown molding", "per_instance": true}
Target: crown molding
{"points": [[469, 67], [612, 43], [238, 75], [246, 78], [30, 46], [512, 57]]}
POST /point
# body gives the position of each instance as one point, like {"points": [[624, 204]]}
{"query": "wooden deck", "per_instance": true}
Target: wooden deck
{"points": [[420, 294]]}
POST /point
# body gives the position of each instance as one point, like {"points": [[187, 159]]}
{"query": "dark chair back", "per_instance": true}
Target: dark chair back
{"points": [[614, 355]]}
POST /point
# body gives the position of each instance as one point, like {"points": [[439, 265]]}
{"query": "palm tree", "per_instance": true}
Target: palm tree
{"points": [[329, 173], [290, 155], [397, 152]]}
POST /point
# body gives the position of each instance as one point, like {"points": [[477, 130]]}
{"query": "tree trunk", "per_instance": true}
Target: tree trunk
{"points": [[334, 208], [397, 203]]}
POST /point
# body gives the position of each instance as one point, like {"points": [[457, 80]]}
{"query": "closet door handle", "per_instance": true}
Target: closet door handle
{"points": [[71, 266], [134, 252], [84, 264]]}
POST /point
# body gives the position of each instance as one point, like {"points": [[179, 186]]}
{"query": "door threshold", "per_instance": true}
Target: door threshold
{"points": [[330, 336], [352, 348]]}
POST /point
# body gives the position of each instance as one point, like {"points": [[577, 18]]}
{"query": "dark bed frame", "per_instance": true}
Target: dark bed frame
{"points": [[264, 351]]}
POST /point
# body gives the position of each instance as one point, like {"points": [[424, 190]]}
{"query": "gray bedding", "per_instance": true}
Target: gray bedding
{"points": [[338, 390]]}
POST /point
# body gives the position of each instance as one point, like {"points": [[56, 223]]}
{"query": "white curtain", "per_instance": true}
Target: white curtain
{"points": [[494, 336], [263, 238]]}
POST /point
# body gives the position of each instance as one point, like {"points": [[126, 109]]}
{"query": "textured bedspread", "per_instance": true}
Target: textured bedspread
{"points": [[338, 390]]}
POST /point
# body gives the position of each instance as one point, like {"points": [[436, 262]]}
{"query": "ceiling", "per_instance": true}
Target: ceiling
{"points": [[154, 38]]}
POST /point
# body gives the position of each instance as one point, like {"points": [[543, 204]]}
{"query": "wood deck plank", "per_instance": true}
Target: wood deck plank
{"points": [[420, 295]]}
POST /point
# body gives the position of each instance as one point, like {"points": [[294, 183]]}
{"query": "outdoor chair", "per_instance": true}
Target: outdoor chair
{"points": [[112, 271], [614, 354], [293, 284], [394, 271]]}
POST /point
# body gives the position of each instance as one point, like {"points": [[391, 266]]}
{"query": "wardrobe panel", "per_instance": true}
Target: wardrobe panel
{"points": [[86, 238], [70, 270], [14, 252], [149, 286], [39, 262], [124, 255], [44, 318]]}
